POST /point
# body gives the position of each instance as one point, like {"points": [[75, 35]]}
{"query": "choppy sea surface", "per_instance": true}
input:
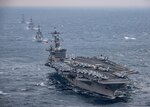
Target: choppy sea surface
{"points": [[121, 34]]}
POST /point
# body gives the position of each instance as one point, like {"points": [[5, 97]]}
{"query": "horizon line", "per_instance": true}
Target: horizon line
{"points": [[90, 7]]}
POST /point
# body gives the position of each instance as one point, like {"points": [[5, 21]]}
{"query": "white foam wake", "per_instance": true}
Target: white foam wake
{"points": [[35, 28], [2, 93], [45, 40], [129, 38], [42, 84]]}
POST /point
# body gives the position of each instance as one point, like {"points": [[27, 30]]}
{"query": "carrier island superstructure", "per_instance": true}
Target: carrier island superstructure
{"points": [[96, 75]]}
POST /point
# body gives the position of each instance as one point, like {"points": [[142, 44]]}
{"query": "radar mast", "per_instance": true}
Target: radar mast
{"points": [[56, 40]]}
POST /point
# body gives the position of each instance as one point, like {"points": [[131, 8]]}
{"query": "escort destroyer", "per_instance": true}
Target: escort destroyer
{"points": [[31, 24], [39, 35]]}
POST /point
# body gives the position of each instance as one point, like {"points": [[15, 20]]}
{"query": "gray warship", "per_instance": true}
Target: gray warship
{"points": [[31, 24], [97, 75], [23, 19], [39, 35]]}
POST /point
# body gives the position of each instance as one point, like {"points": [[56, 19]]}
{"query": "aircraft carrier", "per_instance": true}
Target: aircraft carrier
{"points": [[96, 75]]}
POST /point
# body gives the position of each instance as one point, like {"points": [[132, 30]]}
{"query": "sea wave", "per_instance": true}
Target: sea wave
{"points": [[2, 93], [129, 38], [42, 84]]}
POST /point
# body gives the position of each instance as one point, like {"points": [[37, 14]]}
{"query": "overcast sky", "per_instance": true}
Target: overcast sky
{"points": [[77, 3]]}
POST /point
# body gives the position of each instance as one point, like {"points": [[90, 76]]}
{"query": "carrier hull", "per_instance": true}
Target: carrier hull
{"points": [[105, 90]]}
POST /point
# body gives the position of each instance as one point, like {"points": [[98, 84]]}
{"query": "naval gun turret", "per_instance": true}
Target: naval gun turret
{"points": [[99, 76]]}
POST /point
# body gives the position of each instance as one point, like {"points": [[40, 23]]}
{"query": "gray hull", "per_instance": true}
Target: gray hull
{"points": [[92, 87]]}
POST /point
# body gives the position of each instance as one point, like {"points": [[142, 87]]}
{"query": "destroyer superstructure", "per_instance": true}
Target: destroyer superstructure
{"points": [[97, 75]]}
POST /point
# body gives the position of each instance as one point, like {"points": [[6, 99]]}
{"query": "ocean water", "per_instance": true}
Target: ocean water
{"points": [[121, 34]]}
